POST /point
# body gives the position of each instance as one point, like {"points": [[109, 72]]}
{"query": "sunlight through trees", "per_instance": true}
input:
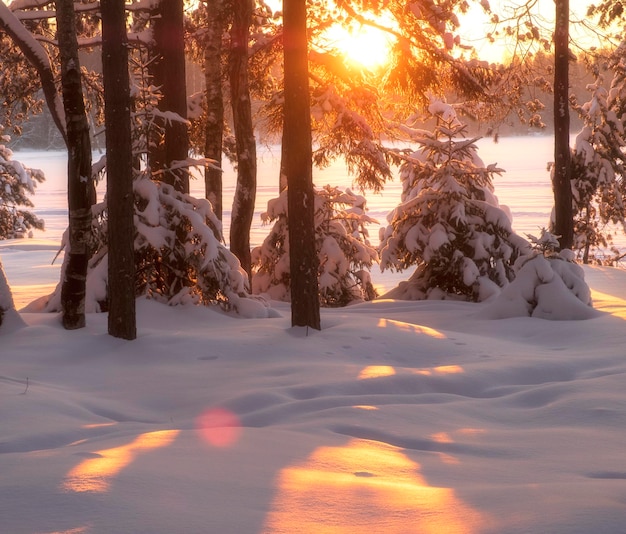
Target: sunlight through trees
{"points": [[352, 83]]}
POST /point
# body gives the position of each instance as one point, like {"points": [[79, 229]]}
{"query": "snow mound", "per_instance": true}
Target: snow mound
{"points": [[10, 321], [545, 287]]}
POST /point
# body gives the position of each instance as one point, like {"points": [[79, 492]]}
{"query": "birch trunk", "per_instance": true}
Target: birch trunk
{"points": [[245, 192], [80, 188], [214, 130]]}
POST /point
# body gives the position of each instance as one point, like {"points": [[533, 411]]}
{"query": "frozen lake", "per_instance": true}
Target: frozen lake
{"points": [[524, 187]]}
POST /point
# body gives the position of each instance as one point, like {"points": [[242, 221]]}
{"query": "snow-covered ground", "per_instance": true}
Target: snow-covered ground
{"points": [[397, 417], [407, 417]]}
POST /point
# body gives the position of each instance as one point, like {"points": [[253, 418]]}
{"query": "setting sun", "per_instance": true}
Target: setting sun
{"points": [[364, 45]]}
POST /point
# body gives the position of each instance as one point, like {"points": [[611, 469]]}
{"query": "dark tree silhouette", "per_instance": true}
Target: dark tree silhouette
{"points": [[169, 75], [120, 204], [305, 307], [561, 179]]}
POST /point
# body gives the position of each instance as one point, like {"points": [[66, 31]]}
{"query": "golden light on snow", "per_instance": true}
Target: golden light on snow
{"points": [[441, 370], [449, 369], [95, 474], [376, 371], [609, 304], [410, 327], [338, 489], [219, 427]]}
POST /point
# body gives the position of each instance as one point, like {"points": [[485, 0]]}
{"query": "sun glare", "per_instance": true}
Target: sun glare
{"points": [[219, 427], [360, 44]]}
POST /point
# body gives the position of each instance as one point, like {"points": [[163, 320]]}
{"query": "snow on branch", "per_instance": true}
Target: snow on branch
{"points": [[36, 11], [35, 15], [38, 57], [449, 223], [28, 4], [143, 5], [342, 244], [16, 183]]}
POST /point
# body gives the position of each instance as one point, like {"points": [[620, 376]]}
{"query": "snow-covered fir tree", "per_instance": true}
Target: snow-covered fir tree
{"points": [[179, 259], [449, 223], [343, 247], [179, 255], [599, 165], [16, 183]]}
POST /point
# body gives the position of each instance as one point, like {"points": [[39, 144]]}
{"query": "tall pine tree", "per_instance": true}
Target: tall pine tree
{"points": [[120, 202], [297, 152]]}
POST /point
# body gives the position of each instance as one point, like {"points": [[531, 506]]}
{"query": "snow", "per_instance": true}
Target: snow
{"points": [[547, 288], [397, 417]]}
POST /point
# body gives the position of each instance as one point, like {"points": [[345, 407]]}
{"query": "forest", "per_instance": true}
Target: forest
{"points": [[169, 374], [171, 86]]}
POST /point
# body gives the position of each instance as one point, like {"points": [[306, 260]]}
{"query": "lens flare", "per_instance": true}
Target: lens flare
{"points": [[219, 427]]}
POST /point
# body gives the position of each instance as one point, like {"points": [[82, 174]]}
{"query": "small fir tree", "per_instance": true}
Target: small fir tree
{"points": [[449, 223], [16, 183], [599, 166], [342, 244], [179, 258]]}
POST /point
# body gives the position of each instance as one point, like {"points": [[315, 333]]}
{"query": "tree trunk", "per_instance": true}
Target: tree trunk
{"points": [[120, 202], [563, 212], [80, 188], [169, 74], [245, 193], [305, 308], [214, 130]]}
